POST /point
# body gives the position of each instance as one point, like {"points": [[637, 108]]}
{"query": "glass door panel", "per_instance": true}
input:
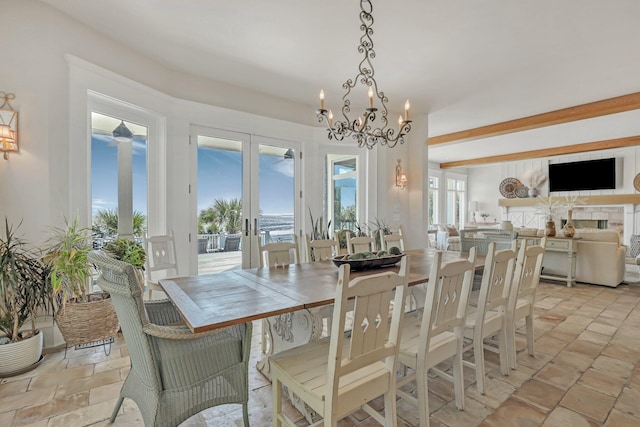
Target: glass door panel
{"points": [[276, 193], [220, 203]]}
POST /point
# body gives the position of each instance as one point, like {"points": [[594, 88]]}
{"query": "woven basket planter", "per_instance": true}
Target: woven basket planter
{"points": [[87, 322]]}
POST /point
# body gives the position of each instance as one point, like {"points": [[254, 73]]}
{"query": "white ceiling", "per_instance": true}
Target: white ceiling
{"points": [[466, 63]]}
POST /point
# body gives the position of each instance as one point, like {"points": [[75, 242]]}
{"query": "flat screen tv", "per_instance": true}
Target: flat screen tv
{"points": [[586, 175]]}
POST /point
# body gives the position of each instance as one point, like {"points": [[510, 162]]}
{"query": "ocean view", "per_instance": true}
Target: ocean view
{"points": [[278, 226]]}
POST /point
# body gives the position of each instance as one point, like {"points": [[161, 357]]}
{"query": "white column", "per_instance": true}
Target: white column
{"points": [[125, 190]]}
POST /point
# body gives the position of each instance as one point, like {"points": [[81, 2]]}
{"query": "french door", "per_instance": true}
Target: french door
{"points": [[246, 189]]}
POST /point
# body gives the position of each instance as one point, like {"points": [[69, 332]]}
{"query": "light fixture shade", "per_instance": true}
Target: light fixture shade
{"points": [[401, 177], [8, 126], [122, 133]]}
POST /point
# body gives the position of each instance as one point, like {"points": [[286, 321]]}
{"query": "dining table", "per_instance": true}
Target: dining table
{"points": [[293, 300]]}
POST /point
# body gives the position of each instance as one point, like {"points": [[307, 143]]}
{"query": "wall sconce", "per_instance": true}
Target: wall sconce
{"points": [[401, 178], [8, 126]]}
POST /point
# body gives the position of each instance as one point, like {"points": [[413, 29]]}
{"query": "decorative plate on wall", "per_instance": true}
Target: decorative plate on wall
{"points": [[522, 191], [508, 187], [636, 182]]}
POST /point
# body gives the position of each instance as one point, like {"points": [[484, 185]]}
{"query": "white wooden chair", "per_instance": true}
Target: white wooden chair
{"points": [[360, 244], [523, 296], [388, 241], [438, 336], [489, 318], [321, 250], [161, 261], [336, 376], [278, 254]]}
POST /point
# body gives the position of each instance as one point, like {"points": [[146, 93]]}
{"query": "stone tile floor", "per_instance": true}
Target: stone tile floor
{"points": [[586, 372]]}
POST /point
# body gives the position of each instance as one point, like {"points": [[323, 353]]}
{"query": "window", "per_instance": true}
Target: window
{"points": [[455, 201], [343, 191], [434, 202], [118, 179]]}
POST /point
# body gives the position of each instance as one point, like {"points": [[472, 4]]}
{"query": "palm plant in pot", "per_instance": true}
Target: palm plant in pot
{"points": [[129, 251], [83, 317], [24, 293]]}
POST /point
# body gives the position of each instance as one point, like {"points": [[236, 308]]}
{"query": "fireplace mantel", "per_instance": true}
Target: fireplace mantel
{"points": [[613, 199]]}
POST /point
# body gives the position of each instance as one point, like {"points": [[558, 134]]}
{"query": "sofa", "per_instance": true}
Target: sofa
{"points": [[600, 258], [447, 237]]}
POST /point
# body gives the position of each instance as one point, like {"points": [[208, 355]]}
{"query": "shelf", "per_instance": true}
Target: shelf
{"points": [[613, 199]]}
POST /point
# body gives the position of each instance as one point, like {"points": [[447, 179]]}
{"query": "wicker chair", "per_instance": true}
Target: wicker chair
{"points": [[174, 372]]}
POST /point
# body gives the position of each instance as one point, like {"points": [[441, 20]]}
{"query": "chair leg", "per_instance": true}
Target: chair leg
{"points": [[511, 343], [263, 335], [530, 340], [478, 356], [245, 413], [390, 415], [276, 397], [503, 351], [114, 414], [458, 379], [423, 396]]}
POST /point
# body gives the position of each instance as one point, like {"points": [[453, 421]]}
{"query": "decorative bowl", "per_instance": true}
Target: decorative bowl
{"points": [[367, 263]]}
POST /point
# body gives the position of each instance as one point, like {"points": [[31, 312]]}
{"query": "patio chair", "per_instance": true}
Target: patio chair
{"points": [[336, 375], [174, 372], [438, 336], [161, 260], [489, 318]]}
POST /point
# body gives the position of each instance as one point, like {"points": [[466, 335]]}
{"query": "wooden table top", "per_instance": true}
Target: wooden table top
{"points": [[217, 300]]}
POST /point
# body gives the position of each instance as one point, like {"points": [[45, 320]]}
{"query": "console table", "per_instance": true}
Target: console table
{"points": [[570, 247]]}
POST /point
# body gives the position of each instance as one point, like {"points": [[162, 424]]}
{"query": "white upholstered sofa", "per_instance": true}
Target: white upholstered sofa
{"points": [[600, 258]]}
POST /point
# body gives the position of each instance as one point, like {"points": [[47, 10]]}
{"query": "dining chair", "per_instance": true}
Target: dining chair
{"points": [[337, 375], [388, 241], [438, 335], [360, 244], [523, 296], [488, 317], [174, 373], [161, 261], [278, 254], [321, 249]]}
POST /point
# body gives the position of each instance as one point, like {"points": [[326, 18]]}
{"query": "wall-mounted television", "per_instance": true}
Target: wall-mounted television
{"points": [[586, 175]]}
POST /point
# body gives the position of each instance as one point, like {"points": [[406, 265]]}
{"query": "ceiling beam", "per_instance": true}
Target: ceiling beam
{"points": [[579, 112], [606, 144]]}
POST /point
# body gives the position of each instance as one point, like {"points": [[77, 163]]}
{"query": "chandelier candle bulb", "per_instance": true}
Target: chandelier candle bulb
{"points": [[400, 120], [406, 110], [322, 99], [330, 118], [370, 97]]}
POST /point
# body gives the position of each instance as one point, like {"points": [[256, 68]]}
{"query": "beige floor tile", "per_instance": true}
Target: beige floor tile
{"points": [[563, 336], [473, 414], [595, 337], [613, 366], [84, 416], [560, 376], [496, 392], [105, 392], [6, 418], [601, 382], [14, 387], [588, 402], [628, 401], [622, 352], [515, 412], [541, 395], [561, 417], [54, 378], [29, 398], [85, 384], [575, 360], [586, 348], [602, 328], [550, 346], [619, 419], [51, 408]]}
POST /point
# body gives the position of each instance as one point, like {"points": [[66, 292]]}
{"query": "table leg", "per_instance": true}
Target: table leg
{"points": [[571, 269]]}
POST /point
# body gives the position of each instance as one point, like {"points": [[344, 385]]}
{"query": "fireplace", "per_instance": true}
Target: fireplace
{"points": [[588, 223]]}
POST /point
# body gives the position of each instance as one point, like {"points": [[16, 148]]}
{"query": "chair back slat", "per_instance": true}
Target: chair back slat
{"points": [[528, 269], [497, 279], [321, 249], [374, 336], [447, 296], [278, 254], [161, 255], [387, 241], [360, 244]]}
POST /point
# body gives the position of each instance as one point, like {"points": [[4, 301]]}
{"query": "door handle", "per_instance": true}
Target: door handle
{"points": [[246, 227], [255, 226]]}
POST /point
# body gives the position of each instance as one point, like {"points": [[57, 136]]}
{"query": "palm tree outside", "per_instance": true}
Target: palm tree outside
{"points": [[105, 223]]}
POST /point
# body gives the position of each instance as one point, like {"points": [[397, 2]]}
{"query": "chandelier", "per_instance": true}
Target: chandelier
{"points": [[364, 129]]}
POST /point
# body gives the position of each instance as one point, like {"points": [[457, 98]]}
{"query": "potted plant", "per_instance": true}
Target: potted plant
{"points": [[83, 317], [24, 293], [129, 251]]}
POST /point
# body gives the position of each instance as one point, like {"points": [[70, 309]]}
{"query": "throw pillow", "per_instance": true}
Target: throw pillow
{"points": [[453, 231]]}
